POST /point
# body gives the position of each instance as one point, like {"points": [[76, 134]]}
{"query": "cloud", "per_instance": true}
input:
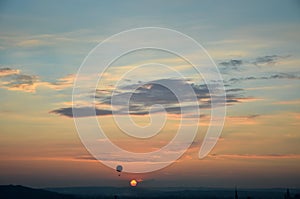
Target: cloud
{"points": [[155, 158], [242, 120], [61, 83], [228, 66], [288, 102], [8, 71], [50, 40], [254, 156], [267, 60], [234, 90], [149, 94], [284, 76], [31, 43], [26, 83], [232, 62], [274, 76], [84, 112], [13, 79], [144, 96]]}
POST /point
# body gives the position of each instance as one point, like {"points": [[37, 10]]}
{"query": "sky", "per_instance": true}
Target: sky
{"points": [[254, 44]]}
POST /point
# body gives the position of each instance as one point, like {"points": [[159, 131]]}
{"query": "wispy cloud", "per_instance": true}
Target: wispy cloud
{"points": [[13, 79], [254, 156], [32, 43], [8, 72], [288, 102], [239, 64], [274, 76], [242, 120], [61, 83], [268, 60], [21, 82], [232, 62]]}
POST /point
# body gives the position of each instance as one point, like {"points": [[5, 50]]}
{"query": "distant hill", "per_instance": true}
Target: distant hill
{"points": [[173, 192], [20, 192]]}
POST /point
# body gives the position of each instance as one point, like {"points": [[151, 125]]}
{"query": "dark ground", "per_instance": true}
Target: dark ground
{"points": [[21, 192]]}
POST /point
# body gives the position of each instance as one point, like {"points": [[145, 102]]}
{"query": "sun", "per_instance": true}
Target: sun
{"points": [[133, 183]]}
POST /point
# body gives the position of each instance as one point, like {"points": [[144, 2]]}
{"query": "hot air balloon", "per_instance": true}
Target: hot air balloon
{"points": [[119, 169]]}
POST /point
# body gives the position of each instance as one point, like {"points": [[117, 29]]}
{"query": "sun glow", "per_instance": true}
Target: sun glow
{"points": [[133, 183]]}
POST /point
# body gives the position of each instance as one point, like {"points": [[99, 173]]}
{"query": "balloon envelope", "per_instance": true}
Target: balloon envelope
{"points": [[119, 168]]}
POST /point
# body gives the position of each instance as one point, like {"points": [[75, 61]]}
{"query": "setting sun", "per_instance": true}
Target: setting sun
{"points": [[133, 183]]}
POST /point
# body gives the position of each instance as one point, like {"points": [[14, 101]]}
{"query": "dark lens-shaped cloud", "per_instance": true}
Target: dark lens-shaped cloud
{"points": [[144, 96]]}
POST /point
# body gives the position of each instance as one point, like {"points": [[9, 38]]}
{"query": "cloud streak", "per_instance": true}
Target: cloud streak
{"points": [[232, 62], [267, 60], [242, 120], [274, 76], [84, 112], [254, 156], [236, 64]]}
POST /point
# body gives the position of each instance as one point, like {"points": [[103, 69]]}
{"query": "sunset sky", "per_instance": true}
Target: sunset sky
{"points": [[255, 45]]}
